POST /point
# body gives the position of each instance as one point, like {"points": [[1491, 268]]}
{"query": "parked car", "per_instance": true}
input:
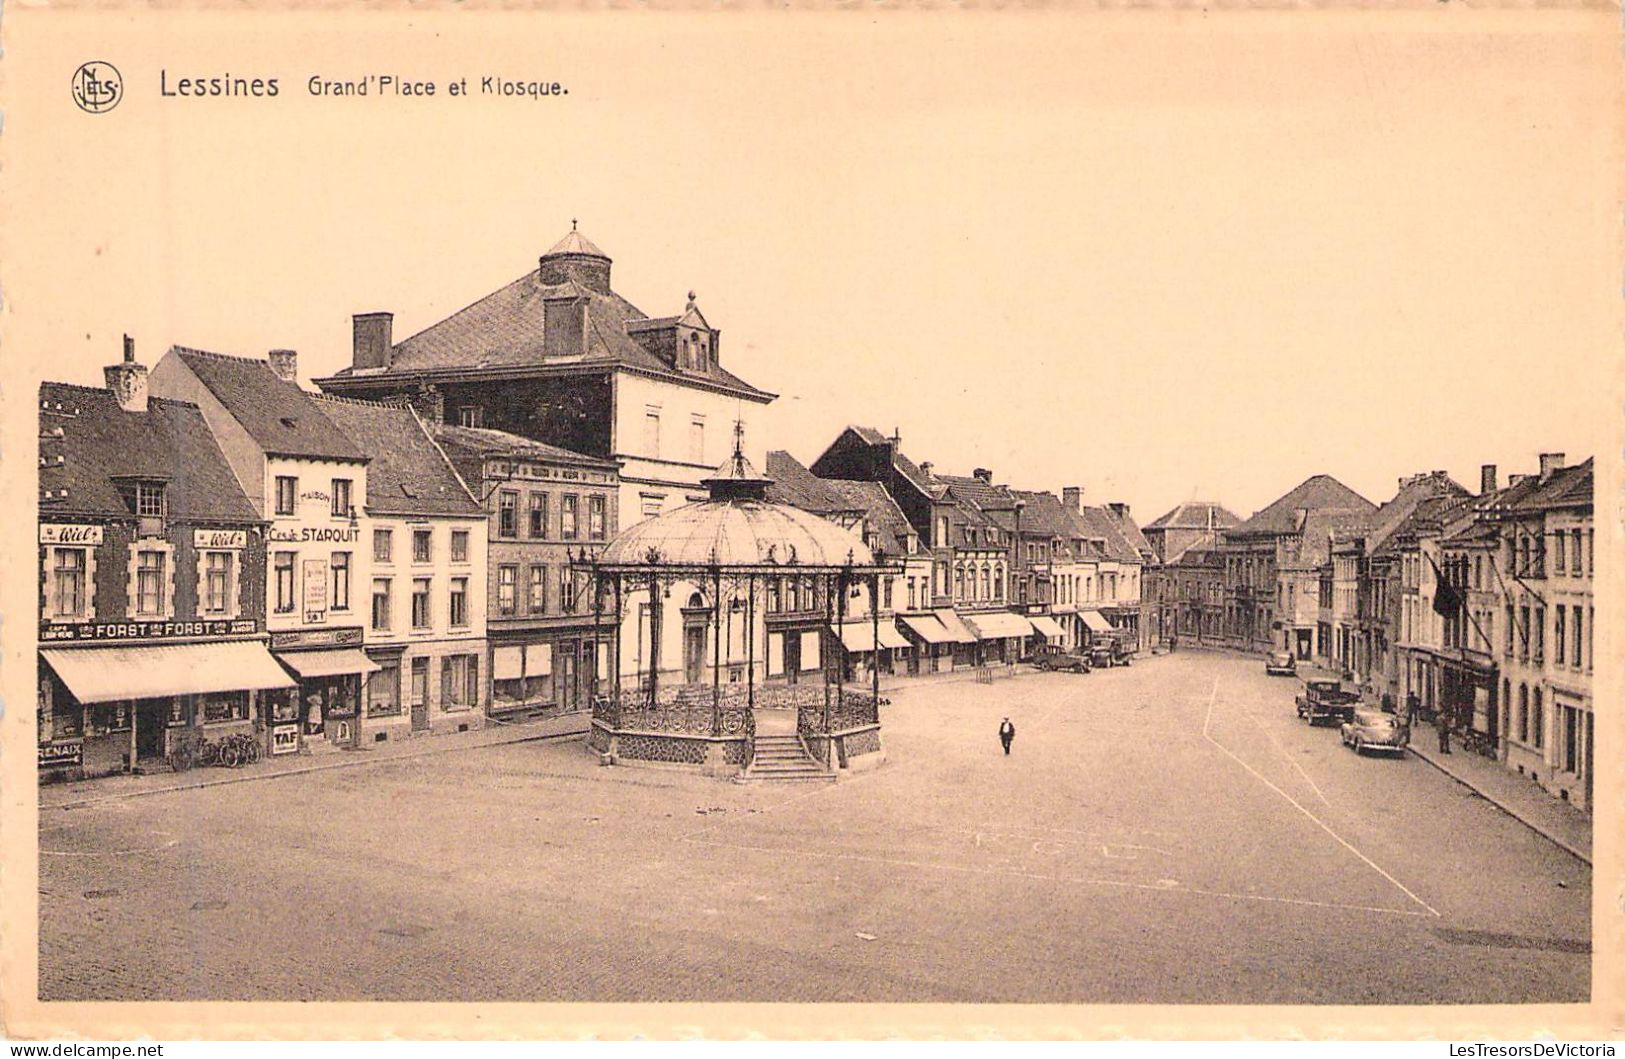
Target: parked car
{"points": [[1326, 700], [1375, 730], [1057, 660], [1281, 664], [1102, 652]]}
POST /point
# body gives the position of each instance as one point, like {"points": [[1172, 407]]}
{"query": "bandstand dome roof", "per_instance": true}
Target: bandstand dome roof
{"points": [[737, 527], [735, 533]]}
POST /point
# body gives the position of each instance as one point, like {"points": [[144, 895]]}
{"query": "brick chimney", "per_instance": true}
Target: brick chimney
{"points": [[374, 340], [1072, 497], [983, 475], [284, 364], [127, 380], [925, 469], [1119, 508], [1486, 479], [1550, 463], [430, 404]]}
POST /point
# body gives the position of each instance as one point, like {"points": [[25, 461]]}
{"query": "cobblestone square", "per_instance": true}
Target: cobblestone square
{"points": [[1168, 832]]}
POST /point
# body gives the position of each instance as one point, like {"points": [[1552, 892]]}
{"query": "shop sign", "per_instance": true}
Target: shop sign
{"points": [[61, 754], [218, 539], [314, 534], [285, 739], [315, 591], [63, 533], [286, 641], [147, 630]]}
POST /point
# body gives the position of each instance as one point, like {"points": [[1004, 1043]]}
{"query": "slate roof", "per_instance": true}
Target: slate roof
{"points": [[1394, 512], [409, 474], [1097, 523], [1319, 527], [1195, 514], [280, 417], [1568, 487], [100, 443], [1200, 555], [1321, 492], [795, 485], [986, 496], [483, 441], [506, 329], [1427, 514], [1044, 514], [885, 519], [1131, 533]]}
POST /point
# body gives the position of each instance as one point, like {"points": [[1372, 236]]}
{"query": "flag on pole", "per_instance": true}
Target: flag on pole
{"points": [[1447, 601]]}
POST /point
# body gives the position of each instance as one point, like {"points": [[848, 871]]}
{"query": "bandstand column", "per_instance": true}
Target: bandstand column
{"points": [[716, 651], [750, 642], [654, 637], [874, 612]]}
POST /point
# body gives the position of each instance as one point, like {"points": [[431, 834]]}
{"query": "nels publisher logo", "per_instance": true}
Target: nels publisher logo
{"points": [[97, 87]]}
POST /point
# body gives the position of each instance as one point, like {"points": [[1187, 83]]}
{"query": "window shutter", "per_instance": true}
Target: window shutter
{"points": [[445, 683]]}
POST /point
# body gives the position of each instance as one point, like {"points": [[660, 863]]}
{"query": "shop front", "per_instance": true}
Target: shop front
{"points": [[544, 674], [861, 650], [322, 711], [933, 644], [1002, 634], [115, 708]]}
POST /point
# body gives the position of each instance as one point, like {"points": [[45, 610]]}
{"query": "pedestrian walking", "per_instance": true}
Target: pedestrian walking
{"points": [[1443, 721], [1007, 734]]}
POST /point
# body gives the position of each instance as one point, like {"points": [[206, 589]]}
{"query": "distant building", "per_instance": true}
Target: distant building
{"points": [[542, 505], [426, 595], [152, 582], [1273, 560], [309, 481], [559, 357], [1178, 600]]}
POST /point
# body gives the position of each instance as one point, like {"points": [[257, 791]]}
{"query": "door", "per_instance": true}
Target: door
{"points": [[792, 657], [694, 653], [566, 690], [420, 694], [151, 720]]}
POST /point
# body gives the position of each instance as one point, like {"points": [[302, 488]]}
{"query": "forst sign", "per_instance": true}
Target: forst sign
{"points": [[147, 630]]}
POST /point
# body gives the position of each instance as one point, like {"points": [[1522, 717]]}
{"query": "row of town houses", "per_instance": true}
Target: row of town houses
{"points": [[405, 549], [1476, 608]]}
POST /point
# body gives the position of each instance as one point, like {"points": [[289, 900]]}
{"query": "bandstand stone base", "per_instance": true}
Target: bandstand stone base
{"points": [[849, 750], [708, 755]]}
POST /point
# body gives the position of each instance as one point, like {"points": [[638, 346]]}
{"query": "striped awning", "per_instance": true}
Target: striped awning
{"points": [[1047, 627], [330, 663], [158, 671], [927, 628], [955, 627], [860, 636], [1095, 622], [998, 625]]}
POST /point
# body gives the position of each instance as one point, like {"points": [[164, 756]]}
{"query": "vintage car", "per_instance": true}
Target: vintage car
{"points": [[1324, 700], [1371, 729], [1056, 660], [1281, 664]]}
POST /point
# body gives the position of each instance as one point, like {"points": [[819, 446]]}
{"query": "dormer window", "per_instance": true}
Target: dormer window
{"points": [[149, 499]]}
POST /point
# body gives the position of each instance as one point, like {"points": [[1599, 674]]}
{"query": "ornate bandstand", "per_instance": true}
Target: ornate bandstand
{"points": [[706, 567]]}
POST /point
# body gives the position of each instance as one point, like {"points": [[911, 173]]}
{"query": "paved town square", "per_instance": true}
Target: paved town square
{"points": [[1166, 832]]}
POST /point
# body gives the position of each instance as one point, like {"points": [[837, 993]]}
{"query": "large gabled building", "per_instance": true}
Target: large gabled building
{"points": [[1273, 560], [558, 356]]}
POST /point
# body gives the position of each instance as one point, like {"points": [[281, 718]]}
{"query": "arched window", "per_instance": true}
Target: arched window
{"points": [[696, 602], [959, 582], [987, 583]]}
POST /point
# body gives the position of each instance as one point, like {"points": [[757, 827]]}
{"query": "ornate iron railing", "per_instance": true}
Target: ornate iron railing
{"points": [[690, 708]]}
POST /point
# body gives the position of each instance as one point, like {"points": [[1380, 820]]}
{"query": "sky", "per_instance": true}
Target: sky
{"points": [[1162, 256]]}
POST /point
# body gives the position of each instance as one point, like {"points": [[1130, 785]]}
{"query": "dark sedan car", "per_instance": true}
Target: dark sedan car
{"points": [[1056, 660]]}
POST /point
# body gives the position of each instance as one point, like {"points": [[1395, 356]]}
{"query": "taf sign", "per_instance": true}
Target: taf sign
{"points": [[147, 630], [202, 538], [285, 739], [62, 533], [65, 754]]}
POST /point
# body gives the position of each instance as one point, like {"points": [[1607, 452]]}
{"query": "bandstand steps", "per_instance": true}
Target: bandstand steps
{"points": [[781, 758]]}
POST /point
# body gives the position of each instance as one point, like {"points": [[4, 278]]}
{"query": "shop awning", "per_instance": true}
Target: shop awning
{"points": [[331, 663], [955, 627], [998, 625], [927, 628], [1047, 627], [1095, 622], [156, 671], [860, 636]]}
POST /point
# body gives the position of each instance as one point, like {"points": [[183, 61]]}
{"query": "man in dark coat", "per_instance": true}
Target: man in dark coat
{"points": [[1443, 720], [1007, 734]]}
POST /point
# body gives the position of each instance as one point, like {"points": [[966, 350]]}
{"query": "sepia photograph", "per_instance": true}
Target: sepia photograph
{"points": [[1092, 510]]}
